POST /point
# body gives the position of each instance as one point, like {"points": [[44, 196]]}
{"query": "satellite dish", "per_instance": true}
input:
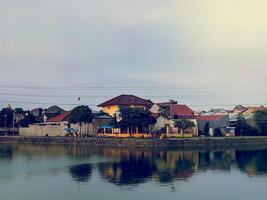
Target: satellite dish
{"points": [[118, 116]]}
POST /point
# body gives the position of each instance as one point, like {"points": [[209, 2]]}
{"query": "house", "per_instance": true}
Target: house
{"points": [[113, 105], [55, 126], [162, 123], [215, 124], [59, 125], [246, 112], [176, 112], [157, 107], [52, 112], [37, 113], [63, 117], [216, 111], [126, 130]]}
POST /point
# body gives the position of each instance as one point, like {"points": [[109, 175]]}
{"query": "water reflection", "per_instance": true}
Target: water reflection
{"points": [[129, 167], [139, 166], [131, 170], [6, 152], [81, 173], [252, 162]]}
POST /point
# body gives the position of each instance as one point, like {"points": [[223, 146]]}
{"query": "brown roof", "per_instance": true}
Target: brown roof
{"points": [[60, 118], [126, 100]]}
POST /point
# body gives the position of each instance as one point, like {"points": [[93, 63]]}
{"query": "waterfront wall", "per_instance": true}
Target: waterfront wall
{"points": [[231, 142], [58, 128], [43, 130]]}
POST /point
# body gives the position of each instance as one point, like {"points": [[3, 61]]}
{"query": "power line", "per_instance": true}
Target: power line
{"points": [[44, 103], [134, 88], [94, 96], [76, 104]]}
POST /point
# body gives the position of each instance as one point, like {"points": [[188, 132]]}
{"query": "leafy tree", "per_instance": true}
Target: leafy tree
{"points": [[184, 124], [81, 173], [6, 117], [81, 114], [207, 129], [260, 118], [132, 118], [27, 119], [19, 110], [218, 132], [244, 129], [241, 126]]}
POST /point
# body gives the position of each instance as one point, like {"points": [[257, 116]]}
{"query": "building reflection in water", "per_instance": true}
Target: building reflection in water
{"points": [[130, 167], [252, 162], [139, 166], [81, 173], [6, 152]]}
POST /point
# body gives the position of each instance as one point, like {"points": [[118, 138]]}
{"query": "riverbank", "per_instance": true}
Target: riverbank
{"points": [[230, 142]]}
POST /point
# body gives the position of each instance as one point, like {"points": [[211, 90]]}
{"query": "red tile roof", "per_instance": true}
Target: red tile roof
{"points": [[60, 118], [126, 100], [180, 110], [210, 117]]}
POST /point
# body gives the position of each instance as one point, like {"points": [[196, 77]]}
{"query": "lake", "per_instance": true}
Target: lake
{"points": [[30, 172]]}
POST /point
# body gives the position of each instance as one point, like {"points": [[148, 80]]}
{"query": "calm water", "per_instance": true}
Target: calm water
{"points": [[30, 172]]}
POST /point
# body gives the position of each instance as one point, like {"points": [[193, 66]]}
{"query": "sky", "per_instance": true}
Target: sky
{"points": [[204, 53]]}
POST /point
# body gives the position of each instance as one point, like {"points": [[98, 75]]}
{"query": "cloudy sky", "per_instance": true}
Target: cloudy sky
{"points": [[205, 53]]}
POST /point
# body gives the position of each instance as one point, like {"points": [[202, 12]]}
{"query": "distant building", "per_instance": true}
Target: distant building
{"points": [[217, 111], [113, 105], [58, 126], [162, 122], [246, 112], [214, 123], [37, 113], [52, 112], [174, 112], [55, 126]]}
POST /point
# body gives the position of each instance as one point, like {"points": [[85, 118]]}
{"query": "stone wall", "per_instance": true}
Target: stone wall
{"points": [[43, 130], [58, 128], [233, 142]]}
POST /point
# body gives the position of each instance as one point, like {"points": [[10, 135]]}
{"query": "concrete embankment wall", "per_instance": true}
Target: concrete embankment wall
{"points": [[234, 142]]}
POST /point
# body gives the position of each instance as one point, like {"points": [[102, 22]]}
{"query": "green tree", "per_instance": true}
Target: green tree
{"points": [[184, 124], [218, 132], [244, 129], [260, 118], [19, 110], [81, 114], [27, 119], [132, 118], [207, 128], [6, 117]]}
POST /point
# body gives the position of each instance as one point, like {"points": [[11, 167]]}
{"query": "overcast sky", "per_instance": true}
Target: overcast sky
{"points": [[214, 52]]}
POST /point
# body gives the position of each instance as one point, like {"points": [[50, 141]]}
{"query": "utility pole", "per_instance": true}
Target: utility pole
{"points": [[5, 124], [14, 118]]}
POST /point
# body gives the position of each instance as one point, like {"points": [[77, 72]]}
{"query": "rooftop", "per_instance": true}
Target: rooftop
{"points": [[180, 110], [210, 117], [126, 100], [60, 117]]}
